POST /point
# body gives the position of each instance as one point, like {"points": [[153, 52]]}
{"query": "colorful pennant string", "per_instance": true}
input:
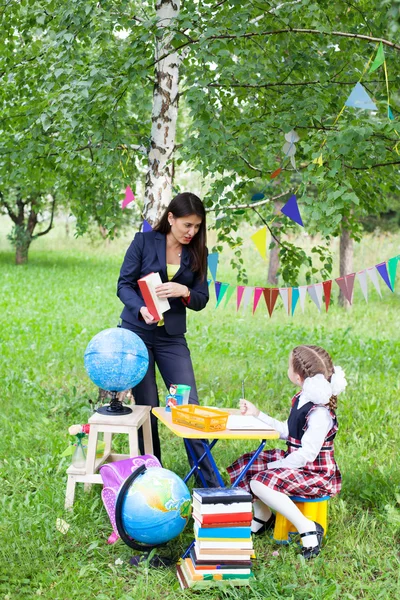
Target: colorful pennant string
{"points": [[129, 197], [213, 264]]}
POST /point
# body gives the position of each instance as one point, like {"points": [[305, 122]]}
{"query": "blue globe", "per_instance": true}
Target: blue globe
{"points": [[116, 359], [156, 507]]}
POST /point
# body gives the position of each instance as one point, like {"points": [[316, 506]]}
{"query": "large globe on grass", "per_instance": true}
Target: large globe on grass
{"points": [[156, 507], [116, 359]]}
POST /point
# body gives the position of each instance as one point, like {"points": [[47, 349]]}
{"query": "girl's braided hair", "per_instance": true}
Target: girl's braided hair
{"points": [[308, 361]]}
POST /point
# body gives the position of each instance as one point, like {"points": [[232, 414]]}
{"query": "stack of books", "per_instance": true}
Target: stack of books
{"points": [[223, 546]]}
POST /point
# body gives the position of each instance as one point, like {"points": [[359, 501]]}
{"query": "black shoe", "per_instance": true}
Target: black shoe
{"points": [[314, 550], [266, 525]]}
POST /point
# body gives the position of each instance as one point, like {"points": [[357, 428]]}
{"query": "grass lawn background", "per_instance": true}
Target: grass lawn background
{"points": [[51, 308]]}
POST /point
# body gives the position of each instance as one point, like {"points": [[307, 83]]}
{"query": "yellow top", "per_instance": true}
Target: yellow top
{"points": [[171, 272], [227, 434]]}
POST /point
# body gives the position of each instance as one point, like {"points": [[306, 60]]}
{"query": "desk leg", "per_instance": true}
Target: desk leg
{"points": [[251, 461], [207, 448], [197, 462]]}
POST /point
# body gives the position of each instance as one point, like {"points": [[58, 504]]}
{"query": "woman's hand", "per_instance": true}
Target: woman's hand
{"points": [[170, 289], [247, 408], [148, 318]]}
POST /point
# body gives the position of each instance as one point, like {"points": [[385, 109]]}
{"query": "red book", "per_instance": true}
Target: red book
{"points": [[156, 306], [214, 525], [224, 518]]}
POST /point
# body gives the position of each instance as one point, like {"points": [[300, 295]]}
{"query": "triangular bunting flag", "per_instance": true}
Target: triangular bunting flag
{"points": [[208, 281], [302, 295], [240, 290], [260, 240], [295, 298], [360, 99], [129, 197], [284, 292], [362, 278], [229, 294], [383, 272], [257, 196], [275, 173], [270, 295], [372, 274], [257, 295], [291, 210], [327, 285], [217, 285], [221, 294], [392, 267], [213, 264], [146, 226], [346, 285], [246, 297], [318, 161], [390, 114], [315, 292], [378, 60]]}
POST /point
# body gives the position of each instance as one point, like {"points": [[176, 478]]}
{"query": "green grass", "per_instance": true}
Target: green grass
{"points": [[50, 309]]}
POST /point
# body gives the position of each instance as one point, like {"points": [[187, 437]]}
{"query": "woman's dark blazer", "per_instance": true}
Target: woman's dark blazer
{"points": [[147, 254]]}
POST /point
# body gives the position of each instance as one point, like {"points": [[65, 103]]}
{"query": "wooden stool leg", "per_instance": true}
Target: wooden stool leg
{"points": [[91, 449], [133, 443], [147, 436], [70, 493], [107, 442]]}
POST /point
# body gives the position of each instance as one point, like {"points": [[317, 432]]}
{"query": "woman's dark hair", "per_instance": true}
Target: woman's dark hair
{"points": [[184, 205]]}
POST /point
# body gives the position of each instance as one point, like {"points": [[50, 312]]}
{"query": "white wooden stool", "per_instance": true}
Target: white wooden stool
{"points": [[108, 425]]}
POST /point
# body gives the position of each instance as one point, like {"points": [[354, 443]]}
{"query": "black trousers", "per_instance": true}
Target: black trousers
{"points": [[172, 356]]}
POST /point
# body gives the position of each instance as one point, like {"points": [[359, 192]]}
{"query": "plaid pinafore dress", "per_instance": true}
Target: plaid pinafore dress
{"points": [[316, 479]]}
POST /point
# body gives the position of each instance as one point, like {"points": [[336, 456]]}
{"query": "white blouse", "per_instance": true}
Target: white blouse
{"points": [[319, 423]]}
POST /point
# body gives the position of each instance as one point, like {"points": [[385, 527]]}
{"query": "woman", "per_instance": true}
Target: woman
{"points": [[176, 249]]}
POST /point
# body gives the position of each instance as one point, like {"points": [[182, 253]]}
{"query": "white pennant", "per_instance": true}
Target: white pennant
{"points": [[302, 296], [373, 275], [316, 292], [248, 292], [285, 297], [362, 278]]}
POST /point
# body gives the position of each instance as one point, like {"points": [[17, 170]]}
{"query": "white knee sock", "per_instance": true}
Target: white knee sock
{"points": [[262, 512], [286, 507]]}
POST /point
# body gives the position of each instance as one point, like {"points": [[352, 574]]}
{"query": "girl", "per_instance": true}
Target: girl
{"points": [[308, 467]]}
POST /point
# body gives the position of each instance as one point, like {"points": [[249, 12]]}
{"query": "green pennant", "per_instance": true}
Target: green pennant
{"points": [[379, 59], [222, 291], [390, 114], [392, 268], [231, 289]]}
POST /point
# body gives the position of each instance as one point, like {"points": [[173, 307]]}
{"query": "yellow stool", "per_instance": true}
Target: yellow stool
{"points": [[315, 509]]}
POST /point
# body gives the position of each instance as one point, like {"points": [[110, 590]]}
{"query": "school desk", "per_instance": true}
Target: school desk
{"points": [[188, 434]]}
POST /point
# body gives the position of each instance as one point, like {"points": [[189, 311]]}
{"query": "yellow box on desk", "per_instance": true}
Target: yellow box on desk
{"points": [[199, 417]]}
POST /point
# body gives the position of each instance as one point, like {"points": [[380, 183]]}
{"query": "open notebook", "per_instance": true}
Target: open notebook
{"points": [[243, 422]]}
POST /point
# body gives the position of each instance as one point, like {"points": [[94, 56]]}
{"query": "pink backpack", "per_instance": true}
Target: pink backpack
{"points": [[113, 475]]}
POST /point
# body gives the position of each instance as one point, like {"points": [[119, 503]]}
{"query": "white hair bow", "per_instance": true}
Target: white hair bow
{"points": [[319, 390]]}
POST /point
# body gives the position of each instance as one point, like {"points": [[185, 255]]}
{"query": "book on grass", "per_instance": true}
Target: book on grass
{"points": [[216, 575], [155, 305], [221, 495], [228, 518], [217, 509], [222, 532], [219, 570], [218, 554], [225, 544], [219, 563], [247, 423], [186, 581]]}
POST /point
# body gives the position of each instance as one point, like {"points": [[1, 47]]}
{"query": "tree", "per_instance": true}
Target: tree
{"points": [[245, 73]]}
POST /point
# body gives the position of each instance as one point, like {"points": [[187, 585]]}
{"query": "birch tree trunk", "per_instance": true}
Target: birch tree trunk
{"points": [[346, 262], [273, 266], [158, 189]]}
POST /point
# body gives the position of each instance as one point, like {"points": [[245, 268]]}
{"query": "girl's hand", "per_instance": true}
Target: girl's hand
{"points": [[170, 289], [148, 318], [248, 409]]}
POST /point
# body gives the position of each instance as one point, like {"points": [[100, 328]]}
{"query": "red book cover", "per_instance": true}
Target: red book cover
{"points": [[224, 518], [156, 306]]}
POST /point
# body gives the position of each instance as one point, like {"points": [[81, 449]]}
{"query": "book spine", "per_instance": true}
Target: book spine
{"points": [[224, 532], [220, 499], [218, 509], [148, 300], [225, 545], [223, 518]]}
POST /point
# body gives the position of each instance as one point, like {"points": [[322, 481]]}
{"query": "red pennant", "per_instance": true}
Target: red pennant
{"points": [[240, 290], [275, 173], [327, 285], [270, 295]]}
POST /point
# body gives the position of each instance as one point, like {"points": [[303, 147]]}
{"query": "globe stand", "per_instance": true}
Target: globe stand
{"points": [[115, 408], [153, 560]]}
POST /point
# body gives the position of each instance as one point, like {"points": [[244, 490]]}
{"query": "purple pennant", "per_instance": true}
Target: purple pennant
{"points": [[383, 272], [291, 210], [217, 288], [146, 226]]}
